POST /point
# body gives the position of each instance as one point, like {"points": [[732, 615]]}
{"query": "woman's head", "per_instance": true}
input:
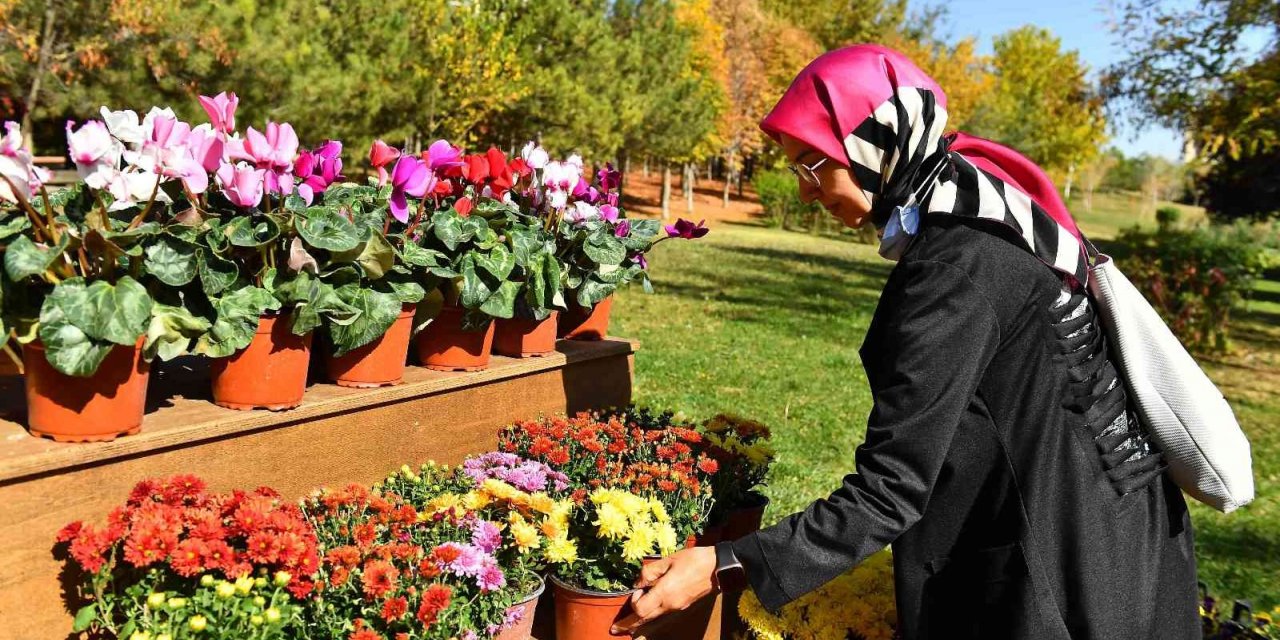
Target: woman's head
{"points": [[838, 116]]}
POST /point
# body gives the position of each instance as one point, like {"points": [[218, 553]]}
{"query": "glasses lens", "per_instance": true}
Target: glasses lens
{"points": [[805, 173]]}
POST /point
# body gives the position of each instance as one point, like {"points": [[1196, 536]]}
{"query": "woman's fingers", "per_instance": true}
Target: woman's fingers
{"points": [[652, 571]]}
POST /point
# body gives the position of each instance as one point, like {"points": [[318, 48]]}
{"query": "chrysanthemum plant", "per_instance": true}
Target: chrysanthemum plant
{"points": [[601, 249], [744, 452], [476, 248], [610, 533], [857, 604], [179, 560]]}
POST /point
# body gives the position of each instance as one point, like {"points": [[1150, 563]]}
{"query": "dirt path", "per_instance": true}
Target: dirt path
{"points": [[643, 195]]}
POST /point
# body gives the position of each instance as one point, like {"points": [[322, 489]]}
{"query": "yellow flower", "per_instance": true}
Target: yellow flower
{"points": [[273, 615], [140, 635], [244, 585], [659, 510], [282, 578], [640, 543], [611, 521], [500, 490], [553, 529], [442, 502], [476, 500], [541, 502], [562, 550], [155, 600], [197, 623], [667, 542], [225, 589], [525, 535]]}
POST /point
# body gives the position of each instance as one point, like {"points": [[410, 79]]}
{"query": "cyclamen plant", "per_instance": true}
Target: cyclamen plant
{"points": [[600, 248]]}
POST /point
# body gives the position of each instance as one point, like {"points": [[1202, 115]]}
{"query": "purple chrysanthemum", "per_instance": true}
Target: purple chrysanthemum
{"points": [[486, 536]]}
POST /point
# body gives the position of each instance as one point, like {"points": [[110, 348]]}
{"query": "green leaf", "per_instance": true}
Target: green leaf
{"points": [[377, 312], [525, 243], [404, 288], [67, 348], [323, 228], [171, 261], [376, 256], [24, 258], [85, 617], [498, 262], [502, 304], [313, 301], [605, 249], [447, 227], [295, 203], [474, 289], [216, 273], [236, 318], [13, 225], [251, 231], [171, 331], [593, 291], [417, 256], [116, 313]]}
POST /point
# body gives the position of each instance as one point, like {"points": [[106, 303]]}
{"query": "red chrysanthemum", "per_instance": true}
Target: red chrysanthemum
{"points": [[394, 608], [379, 578], [188, 559], [434, 600]]}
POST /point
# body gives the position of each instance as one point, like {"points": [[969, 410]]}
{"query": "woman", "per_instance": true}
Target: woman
{"points": [[1021, 498]]}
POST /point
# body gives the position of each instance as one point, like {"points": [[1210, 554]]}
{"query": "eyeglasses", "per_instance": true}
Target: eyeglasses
{"points": [[807, 172]]}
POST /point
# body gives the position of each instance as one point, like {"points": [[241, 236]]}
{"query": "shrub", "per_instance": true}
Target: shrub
{"points": [[1194, 277], [1167, 217], [780, 197]]}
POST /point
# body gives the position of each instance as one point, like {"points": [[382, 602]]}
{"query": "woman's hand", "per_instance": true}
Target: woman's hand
{"points": [[671, 584]]}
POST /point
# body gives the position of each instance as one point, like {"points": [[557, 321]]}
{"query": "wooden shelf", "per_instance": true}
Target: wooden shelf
{"points": [[337, 436]]}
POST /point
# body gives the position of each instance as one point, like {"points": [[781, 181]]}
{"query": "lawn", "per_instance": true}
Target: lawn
{"points": [[767, 323]]}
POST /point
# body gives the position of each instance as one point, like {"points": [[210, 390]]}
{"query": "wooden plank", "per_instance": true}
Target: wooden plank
{"points": [[180, 410], [337, 437]]}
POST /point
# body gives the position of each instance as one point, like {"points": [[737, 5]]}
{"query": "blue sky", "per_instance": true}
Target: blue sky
{"points": [[1082, 25]]}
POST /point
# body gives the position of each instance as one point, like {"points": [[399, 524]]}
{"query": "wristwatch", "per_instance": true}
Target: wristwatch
{"points": [[730, 576]]}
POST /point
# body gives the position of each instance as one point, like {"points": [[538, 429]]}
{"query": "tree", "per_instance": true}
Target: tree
{"points": [[1041, 103], [746, 84], [1093, 172], [958, 69], [837, 24]]}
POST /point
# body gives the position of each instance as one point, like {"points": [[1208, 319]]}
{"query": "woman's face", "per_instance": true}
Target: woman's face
{"points": [[836, 190]]}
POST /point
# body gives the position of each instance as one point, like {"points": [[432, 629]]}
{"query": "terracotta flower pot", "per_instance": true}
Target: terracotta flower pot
{"points": [[445, 346], [271, 373], [522, 612], [100, 407], [746, 518], [586, 324], [582, 614], [379, 363], [522, 338]]}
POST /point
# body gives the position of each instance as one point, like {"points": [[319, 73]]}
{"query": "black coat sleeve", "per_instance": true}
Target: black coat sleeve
{"points": [[930, 342]]}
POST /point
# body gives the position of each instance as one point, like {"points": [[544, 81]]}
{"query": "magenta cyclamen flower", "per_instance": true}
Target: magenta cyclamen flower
{"points": [[609, 177], [686, 229], [441, 154], [318, 169], [410, 177], [623, 229], [222, 111]]}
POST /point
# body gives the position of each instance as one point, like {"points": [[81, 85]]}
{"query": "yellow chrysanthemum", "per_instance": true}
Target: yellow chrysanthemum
{"points": [[631, 504], [611, 521], [658, 510], [541, 502], [560, 512], [553, 529], [443, 502], [667, 539], [525, 536], [476, 500], [500, 490], [561, 550]]}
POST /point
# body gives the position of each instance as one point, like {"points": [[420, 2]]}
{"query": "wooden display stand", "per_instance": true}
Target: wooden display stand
{"points": [[338, 436]]}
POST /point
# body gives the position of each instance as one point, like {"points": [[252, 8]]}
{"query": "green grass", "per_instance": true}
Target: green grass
{"points": [[1112, 212], [767, 323]]}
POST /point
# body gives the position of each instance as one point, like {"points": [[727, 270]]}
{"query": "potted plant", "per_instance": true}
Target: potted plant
{"points": [[89, 287], [866, 607], [595, 565], [744, 453], [262, 301], [388, 571], [178, 559], [479, 254]]}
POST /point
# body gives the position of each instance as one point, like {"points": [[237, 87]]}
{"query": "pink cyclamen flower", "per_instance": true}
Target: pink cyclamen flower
{"points": [[441, 155], [609, 212], [686, 229], [17, 170], [410, 177], [206, 148], [623, 229], [222, 111], [274, 150], [95, 153], [609, 177], [242, 184], [534, 155], [382, 155], [560, 178]]}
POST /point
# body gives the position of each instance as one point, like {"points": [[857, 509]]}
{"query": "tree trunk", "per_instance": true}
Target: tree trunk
{"points": [[1071, 174], [1088, 199], [42, 67], [729, 171], [624, 163], [666, 191], [646, 166], [688, 196], [710, 167]]}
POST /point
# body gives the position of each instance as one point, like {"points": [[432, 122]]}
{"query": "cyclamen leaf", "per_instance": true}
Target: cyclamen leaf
{"points": [[251, 231], [524, 244], [171, 331], [376, 257], [24, 258], [216, 273], [15, 224], [605, 250], [593, 291], [67, 348], [474, 289], [324, 228], [378, 311], [498, 262], [417, 256], [502, 304], [116, 313], [447, 227], [171, 261], [235, 321]]}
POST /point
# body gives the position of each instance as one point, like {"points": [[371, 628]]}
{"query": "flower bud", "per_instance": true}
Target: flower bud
{"points": [[155, 600], [259, 601], [259, 582], [206, 580], [282, 578], [197, 623], [226, 589], [273, 615], [244, 585], [177, 603], [255, 620]]}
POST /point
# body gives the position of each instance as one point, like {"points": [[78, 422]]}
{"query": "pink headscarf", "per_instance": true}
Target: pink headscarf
{"points": [[839, 90]]}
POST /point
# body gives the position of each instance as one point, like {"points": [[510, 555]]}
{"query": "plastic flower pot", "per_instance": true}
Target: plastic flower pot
{"points": [[746, 517], [524, 338], [711, 536], [445, 346], [271, 373], [105, 405], [379, 363], [586, 324], [583, 614], [522, 612]]}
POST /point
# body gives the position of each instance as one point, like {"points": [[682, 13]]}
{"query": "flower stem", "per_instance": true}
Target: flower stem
{"points": [[8, 351], [137, 220]]}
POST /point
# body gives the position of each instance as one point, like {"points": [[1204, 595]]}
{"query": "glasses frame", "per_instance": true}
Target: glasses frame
{"points": [[807, 172]]}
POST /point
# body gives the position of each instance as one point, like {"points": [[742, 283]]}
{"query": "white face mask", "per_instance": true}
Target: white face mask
{"points": [[904, 221]]}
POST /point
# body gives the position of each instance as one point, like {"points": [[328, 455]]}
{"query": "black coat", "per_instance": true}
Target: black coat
{"points": [[1015, 508]]}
